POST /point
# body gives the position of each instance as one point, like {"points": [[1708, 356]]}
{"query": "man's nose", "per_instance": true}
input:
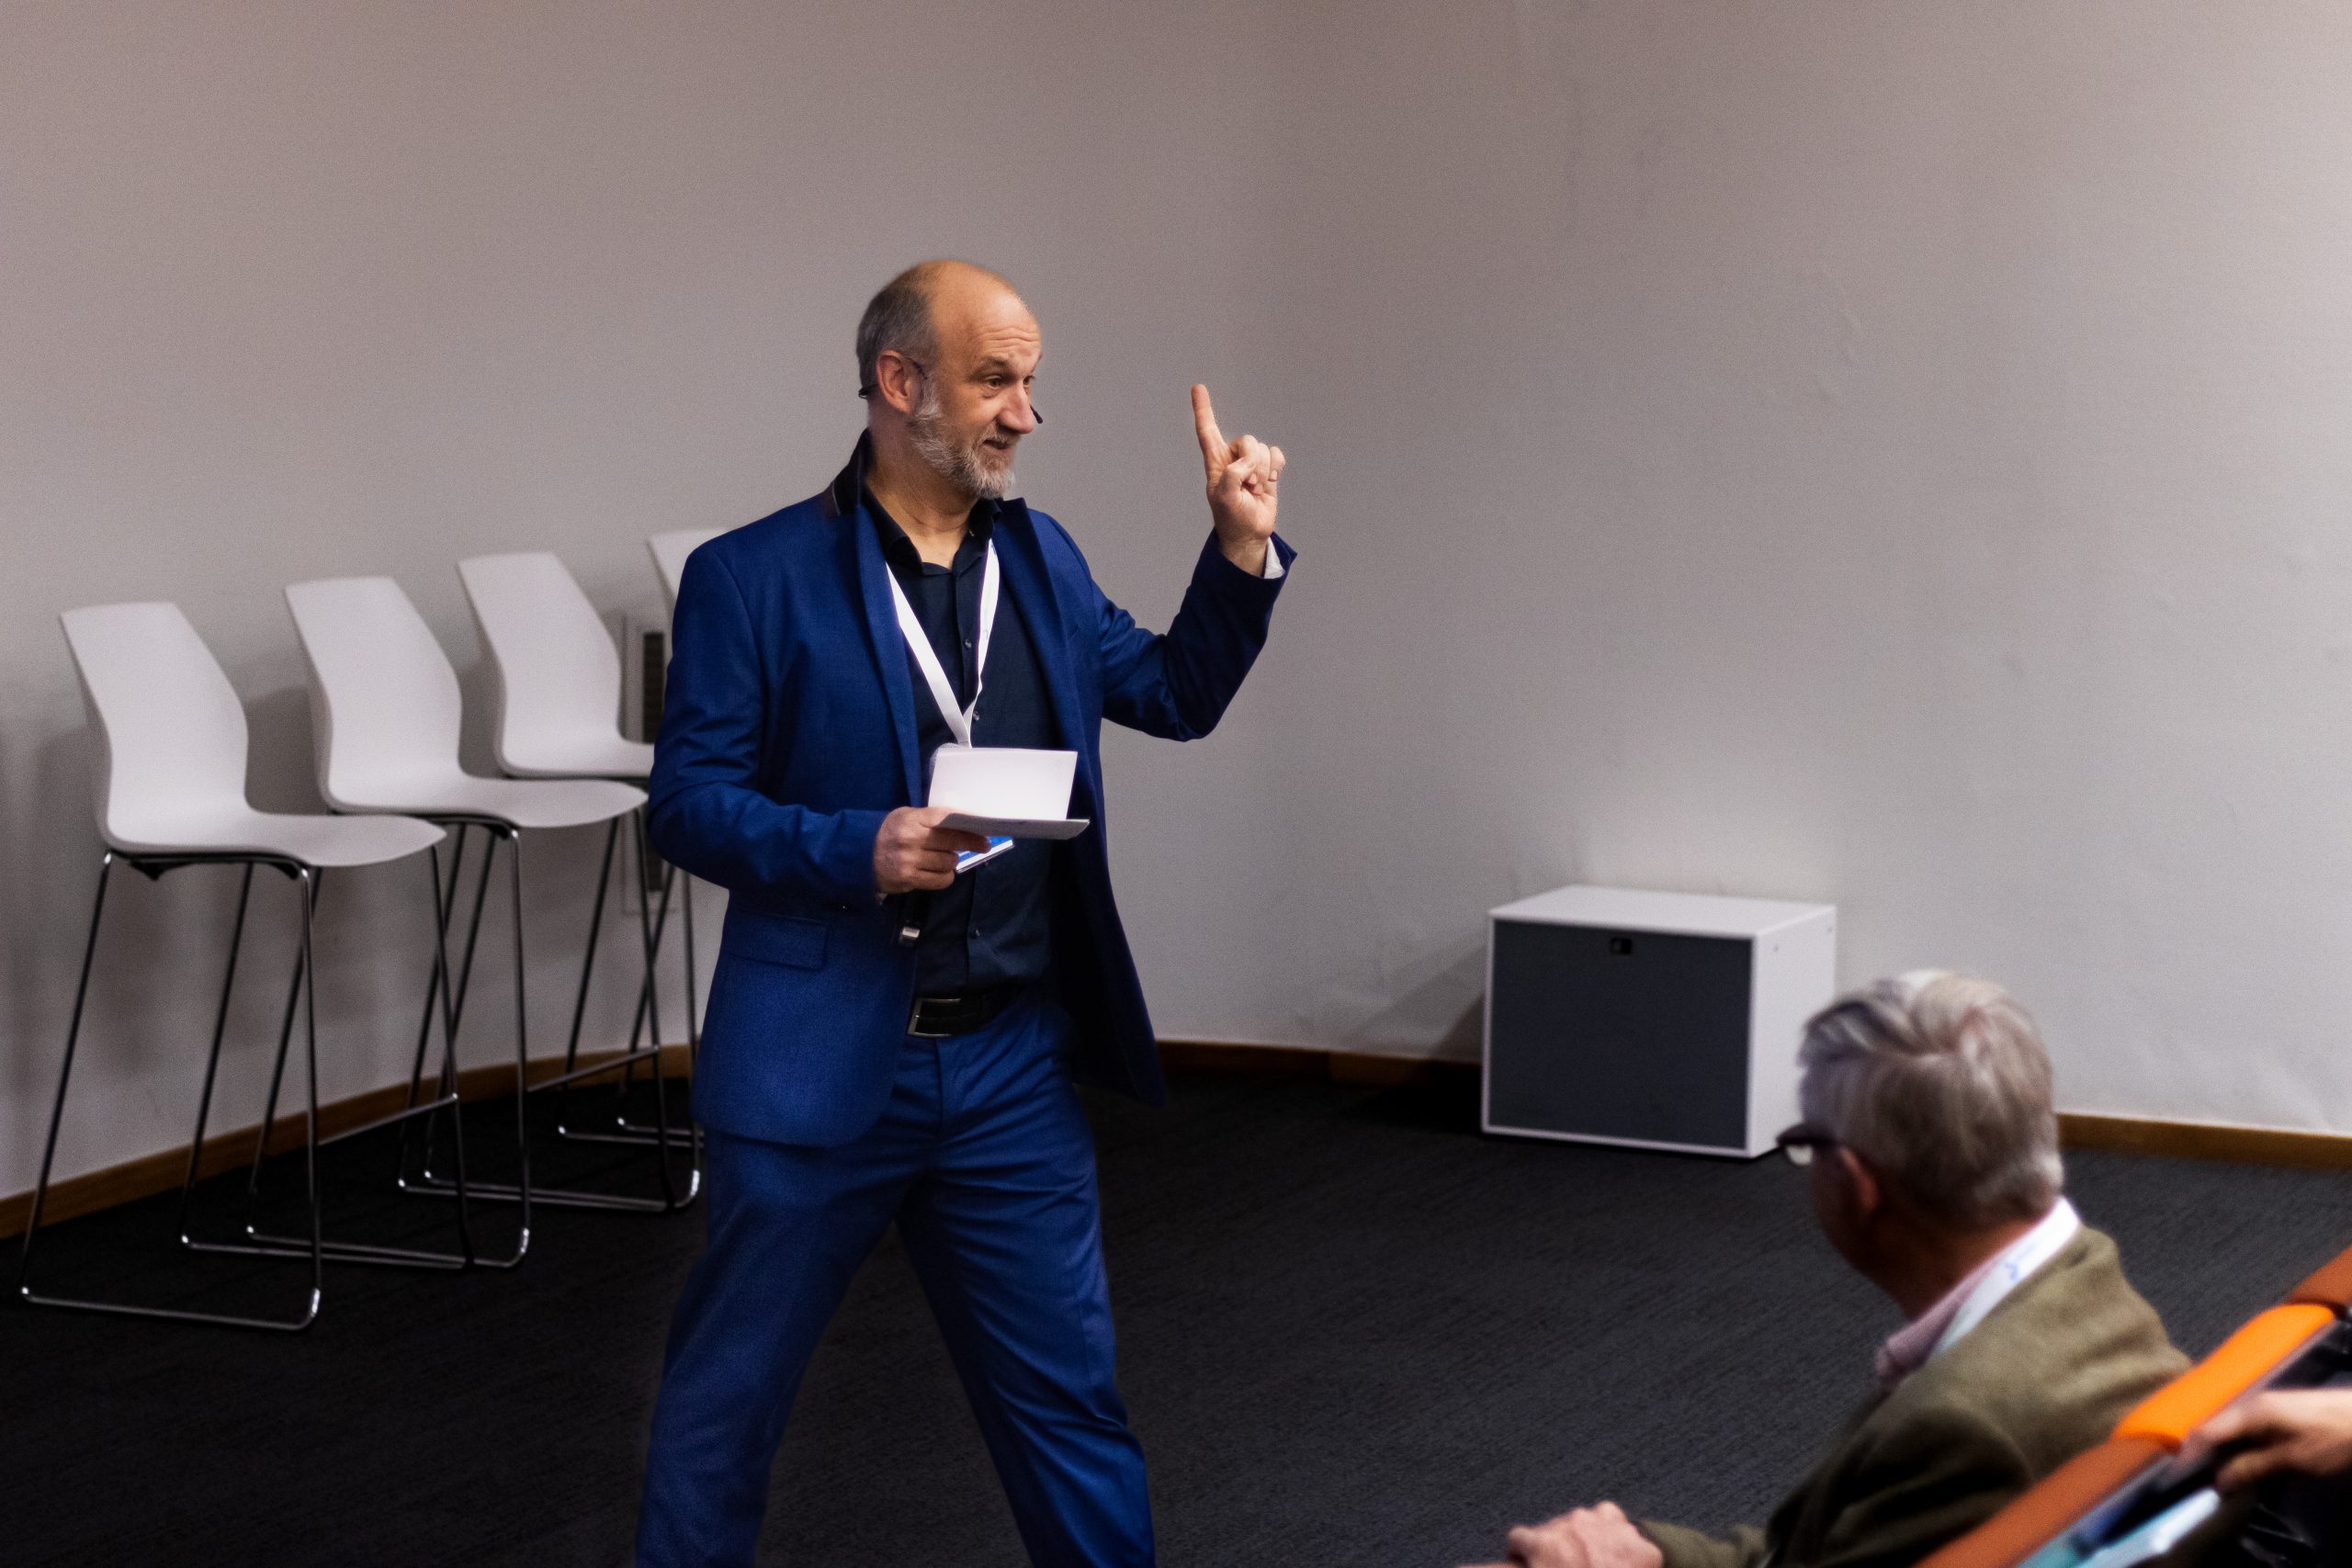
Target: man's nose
{"points": [[1020, 415]]}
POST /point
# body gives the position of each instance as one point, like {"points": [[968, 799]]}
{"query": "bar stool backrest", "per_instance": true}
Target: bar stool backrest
{"points": [[384, 700], [670, 553], [171, 731], [559, 673]]}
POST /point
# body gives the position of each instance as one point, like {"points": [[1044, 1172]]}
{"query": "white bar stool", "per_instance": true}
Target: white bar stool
{"points": [[388, 714], [558, 690], [171, 792]]}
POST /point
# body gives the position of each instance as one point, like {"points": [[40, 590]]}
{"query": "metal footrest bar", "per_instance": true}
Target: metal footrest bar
{"points": [[559, 1197], [637, 1135], [266, 1245], [619, 1064], [444, 1103], [263, 1244], [176, 1314]]}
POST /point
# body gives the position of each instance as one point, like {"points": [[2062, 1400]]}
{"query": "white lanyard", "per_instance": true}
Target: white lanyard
{"points": [[959, 720], [2025, 1255]]}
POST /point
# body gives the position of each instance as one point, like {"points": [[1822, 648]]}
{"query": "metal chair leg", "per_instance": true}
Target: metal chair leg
{"points": [[648, 1016], [444, 909], [644, 1026], [523, 1189], [588, 954], [619, 1130], [580, 997], [673, 879], [449, 991], [266, 1243], [212, 1058], [56, 1120]]}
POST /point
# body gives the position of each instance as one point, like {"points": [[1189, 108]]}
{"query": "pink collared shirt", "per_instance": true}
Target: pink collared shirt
{"points": [[1964, 1305]]}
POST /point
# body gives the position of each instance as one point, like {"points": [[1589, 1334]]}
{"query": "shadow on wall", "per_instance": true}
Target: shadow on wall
{"points": [[1440, 1016]]}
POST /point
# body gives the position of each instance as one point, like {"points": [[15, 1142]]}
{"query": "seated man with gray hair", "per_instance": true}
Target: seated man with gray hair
{"points": [[1933, 1150]]}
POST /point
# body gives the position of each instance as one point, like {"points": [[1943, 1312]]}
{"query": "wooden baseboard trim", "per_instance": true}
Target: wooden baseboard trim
{"points": [[159, 1172], [2176, 1140], [2207, 1140], [163, 1171]]}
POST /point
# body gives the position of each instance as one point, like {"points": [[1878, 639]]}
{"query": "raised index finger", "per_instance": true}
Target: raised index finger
{"points": [[1205, 426]]}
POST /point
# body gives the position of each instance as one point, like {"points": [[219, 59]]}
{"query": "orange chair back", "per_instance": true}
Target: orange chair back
{"points": [[2245, 1358], [2047, 1510]]}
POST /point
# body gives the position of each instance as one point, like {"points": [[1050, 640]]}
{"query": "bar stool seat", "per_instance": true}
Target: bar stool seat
{"points": [[588, 754], [237, 829], [519, 802]]}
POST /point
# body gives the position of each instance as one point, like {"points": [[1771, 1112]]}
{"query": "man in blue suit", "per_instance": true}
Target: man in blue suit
{"points": [[888, 1040]]}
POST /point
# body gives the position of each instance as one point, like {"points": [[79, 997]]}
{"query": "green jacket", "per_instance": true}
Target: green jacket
{"points": [[2047, 1375]]}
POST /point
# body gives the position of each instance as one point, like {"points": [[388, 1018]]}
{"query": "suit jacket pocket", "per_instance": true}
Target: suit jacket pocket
{"points": [[793, 941]]}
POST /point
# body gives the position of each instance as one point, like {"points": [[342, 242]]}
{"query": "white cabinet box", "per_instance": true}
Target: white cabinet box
{"points": [[1666, 1020]]}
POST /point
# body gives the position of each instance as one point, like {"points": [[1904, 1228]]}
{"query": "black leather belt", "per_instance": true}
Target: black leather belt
{"points": [[935, 1017]]}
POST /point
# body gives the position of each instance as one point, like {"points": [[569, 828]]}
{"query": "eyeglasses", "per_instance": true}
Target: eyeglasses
{"points": [[1800, 1142]]}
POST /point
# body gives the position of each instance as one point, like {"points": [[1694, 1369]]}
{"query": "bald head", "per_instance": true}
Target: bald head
{"points": [[916, 306], [946, 354]]}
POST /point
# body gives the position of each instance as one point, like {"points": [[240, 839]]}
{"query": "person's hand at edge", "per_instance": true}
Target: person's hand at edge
{"points": [[2306, 1430], [1598, 1537]]}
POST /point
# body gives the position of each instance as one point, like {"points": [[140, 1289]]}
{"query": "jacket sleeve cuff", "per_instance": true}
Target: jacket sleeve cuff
{"points": [[1214, 572], [1685, 1548], [854, 856]]}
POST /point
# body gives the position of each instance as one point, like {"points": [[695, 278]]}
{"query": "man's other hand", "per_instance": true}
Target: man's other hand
{"points": [[2306, 1430], [1599, 1537], [1243, 474], [913, 852]]}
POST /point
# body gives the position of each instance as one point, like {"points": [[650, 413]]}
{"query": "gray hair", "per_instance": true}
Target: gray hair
{"points": [[1941, 1082], [897, 321]]}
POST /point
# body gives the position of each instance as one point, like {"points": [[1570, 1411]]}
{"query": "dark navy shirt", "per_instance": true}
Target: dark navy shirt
{"points": [[991, 928]]}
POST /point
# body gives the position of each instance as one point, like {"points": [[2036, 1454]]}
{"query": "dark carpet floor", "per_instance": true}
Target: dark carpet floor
{"points": [[1353, 1332]]}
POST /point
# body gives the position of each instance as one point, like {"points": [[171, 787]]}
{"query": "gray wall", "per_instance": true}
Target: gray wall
{"points": [[1883, 454]]}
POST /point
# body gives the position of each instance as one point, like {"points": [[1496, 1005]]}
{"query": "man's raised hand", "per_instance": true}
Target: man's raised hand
{"points": [[913, 852], [1242, 476]]}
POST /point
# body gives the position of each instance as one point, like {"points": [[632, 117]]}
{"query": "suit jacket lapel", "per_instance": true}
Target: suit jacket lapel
{"points": [[1052, 626], [890, 643]]}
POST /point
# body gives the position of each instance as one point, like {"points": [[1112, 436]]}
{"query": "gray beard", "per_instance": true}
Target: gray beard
{"points": [[962, 468]]}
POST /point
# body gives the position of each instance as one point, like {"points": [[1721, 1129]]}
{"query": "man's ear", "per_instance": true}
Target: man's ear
{"points": [[1866, 1191], [895, 380]]}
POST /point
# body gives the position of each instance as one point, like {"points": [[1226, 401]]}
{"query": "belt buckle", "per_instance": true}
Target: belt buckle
{"points": [[914, 1018]]}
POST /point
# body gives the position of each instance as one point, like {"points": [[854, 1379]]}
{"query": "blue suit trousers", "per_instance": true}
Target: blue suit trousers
{"points": [[984, 1158]]}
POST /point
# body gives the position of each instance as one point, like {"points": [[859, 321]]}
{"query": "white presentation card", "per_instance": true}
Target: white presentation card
{"points": [[1006, 791]]}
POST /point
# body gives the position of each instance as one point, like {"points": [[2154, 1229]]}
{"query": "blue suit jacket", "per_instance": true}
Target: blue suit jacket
{"points": [[788, 733]]}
